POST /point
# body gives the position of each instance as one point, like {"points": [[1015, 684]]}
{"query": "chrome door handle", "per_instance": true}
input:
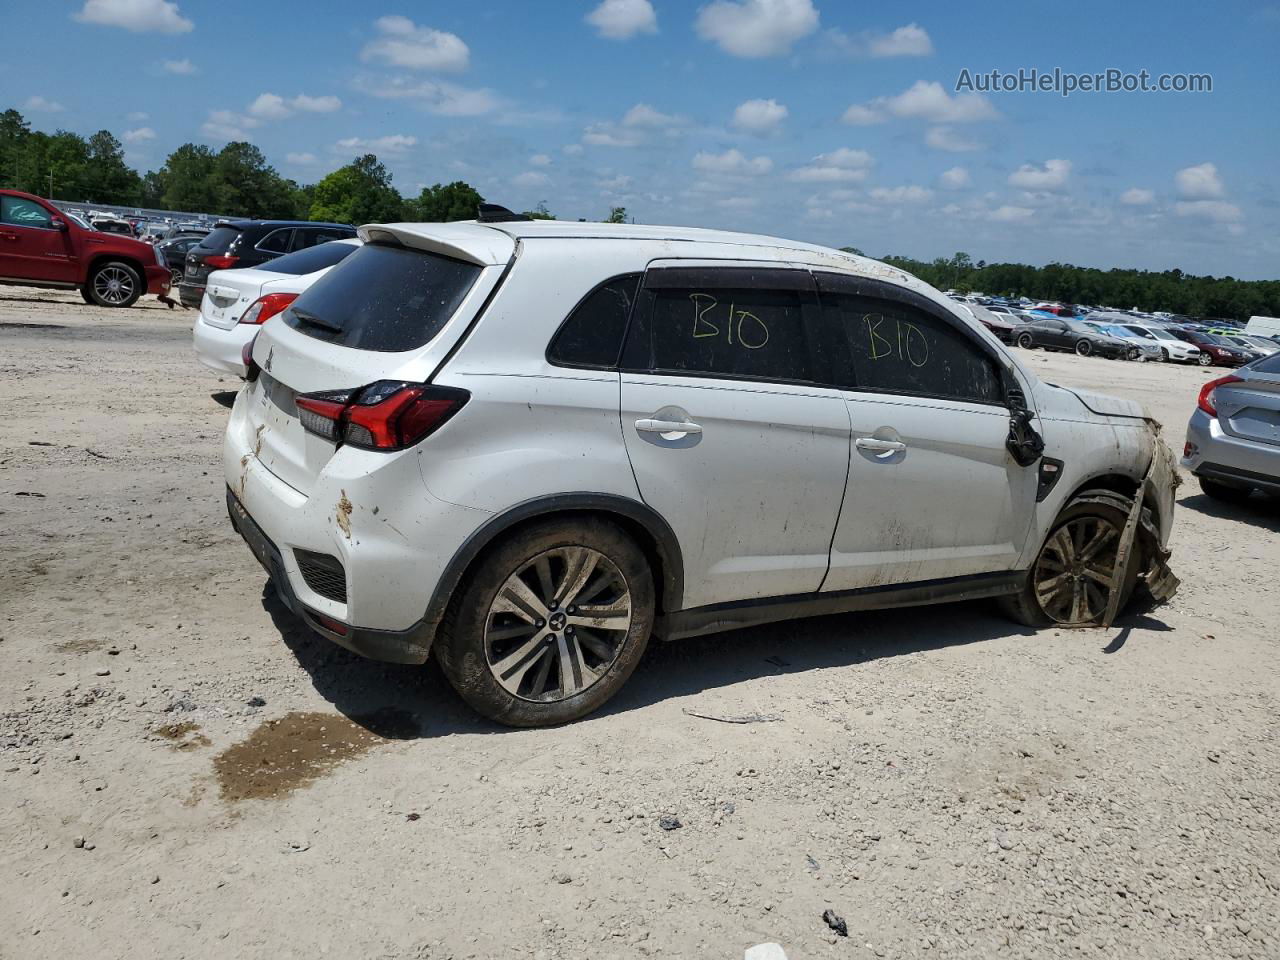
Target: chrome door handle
{"points": [[878, 446], [649, 425]]}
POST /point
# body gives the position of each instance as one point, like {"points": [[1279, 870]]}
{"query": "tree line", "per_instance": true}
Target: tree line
{"points": [[1171, 291], [238, 181]]}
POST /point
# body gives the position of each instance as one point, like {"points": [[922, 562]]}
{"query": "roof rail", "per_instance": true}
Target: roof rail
{"points": [[493, 213]]}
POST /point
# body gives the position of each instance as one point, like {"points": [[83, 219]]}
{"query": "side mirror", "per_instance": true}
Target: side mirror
{"points": [[1023, 441], [60, 225]]}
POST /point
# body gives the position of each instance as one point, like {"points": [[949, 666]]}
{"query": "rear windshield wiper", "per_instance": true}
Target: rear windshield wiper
{"points": [[312, 320]]}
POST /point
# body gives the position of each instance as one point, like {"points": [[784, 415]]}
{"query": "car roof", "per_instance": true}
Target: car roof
{"points": [[492, 243], [246, 224]]}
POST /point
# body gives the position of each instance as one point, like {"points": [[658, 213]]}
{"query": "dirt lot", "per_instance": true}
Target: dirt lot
{"points": [[184, 772]]}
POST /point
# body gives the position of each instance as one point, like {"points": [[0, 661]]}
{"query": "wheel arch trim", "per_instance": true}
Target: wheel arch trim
{"points": [[662, 540]]}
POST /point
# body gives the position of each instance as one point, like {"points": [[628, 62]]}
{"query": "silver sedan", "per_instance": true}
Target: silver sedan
{"points": [[1233, 439]]}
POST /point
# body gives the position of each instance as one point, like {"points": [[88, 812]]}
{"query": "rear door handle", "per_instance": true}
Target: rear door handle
{"points": [[650, 425], [884, 448]]}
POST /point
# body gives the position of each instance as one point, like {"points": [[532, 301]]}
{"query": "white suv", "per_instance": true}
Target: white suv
{"points": [[531, 445]]}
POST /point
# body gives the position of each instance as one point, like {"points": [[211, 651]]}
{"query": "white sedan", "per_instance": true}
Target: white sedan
{"points": [[1171, 347], [237, 302]]}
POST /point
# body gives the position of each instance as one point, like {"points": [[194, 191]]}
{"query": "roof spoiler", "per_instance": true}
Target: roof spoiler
{"points": [[493, 213]]}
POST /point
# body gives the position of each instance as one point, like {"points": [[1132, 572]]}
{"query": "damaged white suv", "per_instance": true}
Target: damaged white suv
{"points": [[531, 445]]}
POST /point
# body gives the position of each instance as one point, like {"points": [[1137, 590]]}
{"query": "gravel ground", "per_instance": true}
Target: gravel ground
{"points": [[185, 772]]}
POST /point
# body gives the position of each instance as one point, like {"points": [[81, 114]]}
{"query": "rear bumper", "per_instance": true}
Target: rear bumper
{"points": [[219, 349], [190, 295], [1215, 455], [411, 646], [159, 279]]}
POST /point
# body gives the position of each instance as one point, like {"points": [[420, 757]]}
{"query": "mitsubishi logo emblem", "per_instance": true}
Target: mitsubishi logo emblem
{"points": [[270, 354]]}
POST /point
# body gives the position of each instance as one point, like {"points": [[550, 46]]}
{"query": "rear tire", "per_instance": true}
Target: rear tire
{"points": [[114, 284], [510, 660], [1105, 509], [1025, 341], [1225, 492]]}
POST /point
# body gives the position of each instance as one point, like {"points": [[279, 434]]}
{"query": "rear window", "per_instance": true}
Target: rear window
{"points": [[383, 298], [312, 259], [1269, 364], [220, 239]]}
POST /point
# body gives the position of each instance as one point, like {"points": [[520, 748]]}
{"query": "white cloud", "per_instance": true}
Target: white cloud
{"points": [[759, 116], [301, 159], [904, 194], [438, 97], [269, 106], [622, 19], [140, 16], [540, 160], [950, 140], [1010, 214], [924, 100], [1138, 197], [405, 44], [731, 161], [138, 135], [643, 115], [393, 143], [530, 178], [228, 125], [1199, 182], [572, 150], [610, 135], [738, 203], [1052, 176], [1218, 211], [756, 28], [183, 67], [955, 178], [842, 165], [909, 41], [38, 104], [860, 115], [325, 104], [620, 182]]}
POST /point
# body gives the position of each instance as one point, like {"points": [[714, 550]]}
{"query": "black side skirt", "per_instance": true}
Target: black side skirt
{"points": [[697, 621]]}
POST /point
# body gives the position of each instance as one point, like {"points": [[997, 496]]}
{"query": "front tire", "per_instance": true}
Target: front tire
{"points": [[551, 624], [1164, 355], [1025, 341], [1084, 348], [114, 284], [1204, 359], [1068, 581]]}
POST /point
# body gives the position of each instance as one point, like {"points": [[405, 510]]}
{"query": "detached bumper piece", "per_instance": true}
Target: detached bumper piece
{"points": [[411, 646]]}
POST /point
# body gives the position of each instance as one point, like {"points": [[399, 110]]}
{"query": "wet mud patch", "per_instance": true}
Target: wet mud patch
{"points": [[81, 645], [297, 749], [184, 735]]}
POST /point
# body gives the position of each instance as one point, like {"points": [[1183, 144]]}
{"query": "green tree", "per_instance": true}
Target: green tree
{"points": [[14, 131], [540, 212], [443, 203], [854, 250], [107, 178], [245, 185], [188, 176], [617, 215], [360, 192], [151, 190]]}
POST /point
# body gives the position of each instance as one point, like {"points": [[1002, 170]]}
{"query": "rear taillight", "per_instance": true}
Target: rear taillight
{"points": [[264, 308], [251, 368], [220, 262], [1207, 401], [387, 415]]}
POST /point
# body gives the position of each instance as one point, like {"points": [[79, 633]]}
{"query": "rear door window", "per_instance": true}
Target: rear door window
{"points": [[383, 298], [276, 242], [312, 259]]}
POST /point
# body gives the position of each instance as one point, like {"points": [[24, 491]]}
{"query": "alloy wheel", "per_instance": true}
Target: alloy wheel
{"points": [[1204, 359], [1072, 576], [557, 624], [113, 285]]}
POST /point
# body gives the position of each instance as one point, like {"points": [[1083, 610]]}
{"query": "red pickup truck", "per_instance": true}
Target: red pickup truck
{"points": [[40, 246]]}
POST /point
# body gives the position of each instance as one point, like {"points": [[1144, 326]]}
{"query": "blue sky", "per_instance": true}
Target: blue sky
{"points": [[833, 122]]}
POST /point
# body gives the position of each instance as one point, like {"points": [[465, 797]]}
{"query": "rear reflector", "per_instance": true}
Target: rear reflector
{"points": [[264, 308], [387, 415], [220, 262]]}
